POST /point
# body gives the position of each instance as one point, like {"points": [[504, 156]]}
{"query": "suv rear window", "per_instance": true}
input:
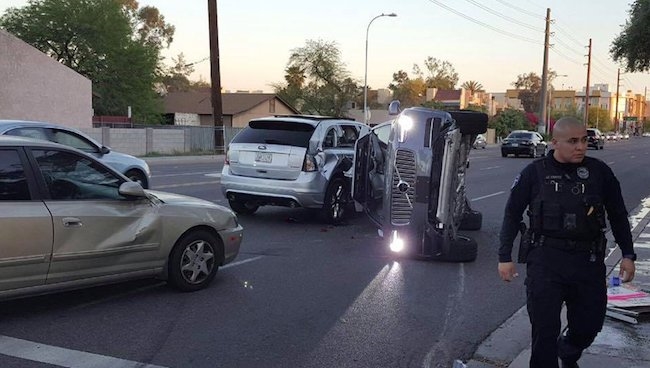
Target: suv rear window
{"points": [[276, 132]]}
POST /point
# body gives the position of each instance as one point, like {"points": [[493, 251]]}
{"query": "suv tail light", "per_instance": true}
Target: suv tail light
{"points": [[309, 164]]}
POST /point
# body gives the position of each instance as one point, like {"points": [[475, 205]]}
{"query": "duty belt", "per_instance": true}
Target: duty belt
{"points": [[567, 244]]}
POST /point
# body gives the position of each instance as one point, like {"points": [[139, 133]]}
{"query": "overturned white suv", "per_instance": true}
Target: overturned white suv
{"points": [[409, 177]]}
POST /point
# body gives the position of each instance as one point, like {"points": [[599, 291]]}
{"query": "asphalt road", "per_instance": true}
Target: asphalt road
{"points": [[301, 293]]}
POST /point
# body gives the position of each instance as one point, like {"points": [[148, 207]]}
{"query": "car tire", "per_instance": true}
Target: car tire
{"points": [[336, 203], [503, 154], [138, 177], [243, 208], [472, 220], [185, 273], [461, 249]]}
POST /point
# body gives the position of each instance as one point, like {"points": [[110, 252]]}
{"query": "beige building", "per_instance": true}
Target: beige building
{"points": [[33, 86], [195, 107]]}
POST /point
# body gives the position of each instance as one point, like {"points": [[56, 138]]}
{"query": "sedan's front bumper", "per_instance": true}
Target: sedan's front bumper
{"points": [[232, 239]]}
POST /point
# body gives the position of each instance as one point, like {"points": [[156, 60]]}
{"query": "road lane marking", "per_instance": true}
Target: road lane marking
{"points": [[62, 357], [156, 187], [207, 173], [242, 262], [214, 175], [490, 168], [487, 196]]}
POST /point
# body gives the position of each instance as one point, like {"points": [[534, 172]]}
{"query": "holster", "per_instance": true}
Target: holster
{"points": [[525, 242]]}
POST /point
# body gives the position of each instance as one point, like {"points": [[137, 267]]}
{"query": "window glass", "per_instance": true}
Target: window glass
{"points": [[349, 136], [36, 133], [522, 135], [330, 139], [383, 133], [13, 183], [276, 132], [73, 177], [72, 140]]}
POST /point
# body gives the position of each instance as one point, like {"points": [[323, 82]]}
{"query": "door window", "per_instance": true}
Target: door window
{"points": [[74, 177], [36, 133], [13, 183], [330, 139], [73, 140], [349, 136]]}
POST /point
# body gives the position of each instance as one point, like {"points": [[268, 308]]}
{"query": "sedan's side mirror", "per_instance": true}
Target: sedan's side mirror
{"points": [[132, 189], [105, 150], [394, 108]]}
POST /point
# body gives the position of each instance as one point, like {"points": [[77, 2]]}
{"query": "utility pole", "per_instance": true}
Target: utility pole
{"points": [[618, 85], [587, 89], [215, 75], [541, 127]]}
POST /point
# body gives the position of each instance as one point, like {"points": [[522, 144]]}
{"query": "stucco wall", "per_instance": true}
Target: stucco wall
{"points": [[261, 110], [34, 86]]}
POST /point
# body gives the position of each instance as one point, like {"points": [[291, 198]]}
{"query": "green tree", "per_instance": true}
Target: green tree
{"points": [[410, 92], [571, 111], [472, 86], [632, 46], [479, 108], [439, 73], [317, 81], [530, 89], [508, 120], [114, 43], [176, 78], [599, 118]]}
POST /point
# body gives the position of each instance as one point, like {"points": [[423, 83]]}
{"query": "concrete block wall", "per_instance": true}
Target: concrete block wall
{"points": [[168, 140]]}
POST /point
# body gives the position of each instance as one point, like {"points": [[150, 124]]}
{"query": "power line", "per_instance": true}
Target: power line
{"points": [[524, 11], [570, 48], [569, 35], [506, 33], [503, 16], [564, 56]]}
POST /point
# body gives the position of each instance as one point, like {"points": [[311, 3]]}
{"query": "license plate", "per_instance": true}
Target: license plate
{"points": [[265, 157], [515, 144]]}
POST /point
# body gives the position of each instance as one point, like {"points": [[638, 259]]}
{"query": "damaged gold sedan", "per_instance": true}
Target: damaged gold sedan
{"points": [[67, 221]]}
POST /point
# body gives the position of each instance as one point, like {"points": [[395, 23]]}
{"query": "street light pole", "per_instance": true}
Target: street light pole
{"points": [[365, 78]]}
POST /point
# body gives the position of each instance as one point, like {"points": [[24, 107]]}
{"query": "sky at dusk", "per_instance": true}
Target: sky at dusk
{"points": [[489, 41]]}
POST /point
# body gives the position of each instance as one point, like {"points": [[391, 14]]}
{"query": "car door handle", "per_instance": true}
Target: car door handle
{"points": [[72, 222]]}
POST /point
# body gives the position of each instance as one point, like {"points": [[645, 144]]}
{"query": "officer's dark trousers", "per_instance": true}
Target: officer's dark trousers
{"points": [[555, 276]]}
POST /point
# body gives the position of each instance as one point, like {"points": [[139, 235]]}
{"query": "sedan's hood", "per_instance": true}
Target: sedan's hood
{"points": [[181, 200]]}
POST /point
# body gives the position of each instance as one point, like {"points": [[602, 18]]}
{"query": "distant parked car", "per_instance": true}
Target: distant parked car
{"points": [[595, 139], [479, 142], [292, 161], [524, 142], [646, 134], [68, 221], [611, 136], [132, 167], [626, 135]]}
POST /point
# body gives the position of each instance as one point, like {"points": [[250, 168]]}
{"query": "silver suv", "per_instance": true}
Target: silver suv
{"points": [[292, 161], [132, 167]]}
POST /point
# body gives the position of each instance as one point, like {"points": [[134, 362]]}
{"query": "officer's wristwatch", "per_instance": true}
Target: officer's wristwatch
{"points": [[631, 256]]}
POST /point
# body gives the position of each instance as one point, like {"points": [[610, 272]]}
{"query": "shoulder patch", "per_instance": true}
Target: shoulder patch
{"points": [[514, 183]]}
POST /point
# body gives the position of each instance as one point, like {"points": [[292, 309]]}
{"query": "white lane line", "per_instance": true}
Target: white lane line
{"points": [[487, 196], [242, 262], [214, 175], [490, 168], [63, 357], [156, 187], [207, 173]]}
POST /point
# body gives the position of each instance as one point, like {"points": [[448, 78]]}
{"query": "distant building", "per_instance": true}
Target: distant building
{"points": [[195, 107]]}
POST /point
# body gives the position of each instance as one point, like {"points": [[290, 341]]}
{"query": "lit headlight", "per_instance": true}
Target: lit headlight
{"points": [[396, 243], [405, 124]]}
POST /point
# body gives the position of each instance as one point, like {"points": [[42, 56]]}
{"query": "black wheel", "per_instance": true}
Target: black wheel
{"points": [[336, 203], [463, 249], [472, 220], [503, 154], [243, 208], [194, 261], [138, 177]]}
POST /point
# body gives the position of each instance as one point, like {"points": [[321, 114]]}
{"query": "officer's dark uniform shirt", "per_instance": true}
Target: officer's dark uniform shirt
{"points": [[527, 186]]}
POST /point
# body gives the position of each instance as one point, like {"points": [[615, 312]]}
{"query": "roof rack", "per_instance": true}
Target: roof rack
{"points": [[312, 117]]}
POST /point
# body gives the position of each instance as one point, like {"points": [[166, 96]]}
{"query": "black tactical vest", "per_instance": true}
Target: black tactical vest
{"points": [[570, 203]]}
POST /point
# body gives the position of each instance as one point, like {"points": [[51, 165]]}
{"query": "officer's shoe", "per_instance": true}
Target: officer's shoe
{"points": [[566, 364]]}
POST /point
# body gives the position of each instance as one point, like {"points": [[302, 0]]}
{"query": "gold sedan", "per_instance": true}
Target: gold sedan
{"points": [[67, 221]]}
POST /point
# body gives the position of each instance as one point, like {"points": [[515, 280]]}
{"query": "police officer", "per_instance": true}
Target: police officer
{"points": [[567, 195]]}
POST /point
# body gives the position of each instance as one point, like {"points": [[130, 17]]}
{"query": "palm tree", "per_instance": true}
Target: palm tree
{"points": [[295, 77], [472, 87]]}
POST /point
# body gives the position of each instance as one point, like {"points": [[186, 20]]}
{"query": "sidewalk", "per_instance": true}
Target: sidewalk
{"points": [[619, 344]]}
